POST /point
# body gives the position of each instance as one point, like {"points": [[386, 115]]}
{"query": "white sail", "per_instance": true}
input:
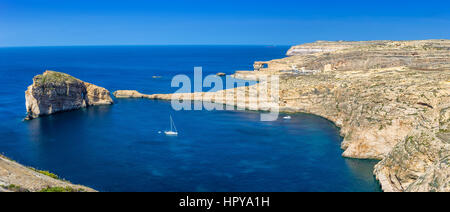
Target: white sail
{"points": [[173, 123], [172, 127]]}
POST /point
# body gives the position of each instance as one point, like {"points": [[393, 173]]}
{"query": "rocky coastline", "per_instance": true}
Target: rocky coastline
{"points": [[54, 92], [391, 100]]}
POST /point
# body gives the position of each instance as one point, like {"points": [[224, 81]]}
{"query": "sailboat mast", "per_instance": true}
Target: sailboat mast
{"points": [[171, 124], [174, 126]]}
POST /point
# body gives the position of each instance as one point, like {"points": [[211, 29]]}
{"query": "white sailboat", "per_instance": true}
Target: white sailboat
{"points": [[172, 128]]}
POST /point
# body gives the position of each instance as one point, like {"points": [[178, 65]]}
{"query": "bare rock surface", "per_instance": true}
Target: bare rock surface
{"points": [[54, 92], [327, 46], [15, 177], [129, 94]]}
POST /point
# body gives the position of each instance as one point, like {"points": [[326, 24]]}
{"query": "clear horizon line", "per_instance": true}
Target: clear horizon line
{"points": [[187, 44], [106, 45]]}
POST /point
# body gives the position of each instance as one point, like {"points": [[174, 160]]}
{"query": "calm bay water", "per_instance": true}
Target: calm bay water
{"points": [[118, 147]]}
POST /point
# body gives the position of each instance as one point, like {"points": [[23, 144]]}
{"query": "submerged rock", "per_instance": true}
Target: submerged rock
{"points": [[54, 92]]}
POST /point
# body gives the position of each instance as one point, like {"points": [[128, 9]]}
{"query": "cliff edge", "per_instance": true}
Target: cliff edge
{"points": [[54, 92]]}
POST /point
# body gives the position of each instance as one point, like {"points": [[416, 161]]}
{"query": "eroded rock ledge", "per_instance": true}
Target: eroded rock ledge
{"points": [[391, 100], [54, 92]]}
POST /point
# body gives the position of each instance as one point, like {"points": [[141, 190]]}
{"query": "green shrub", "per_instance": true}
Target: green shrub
{"points": [[54, 77], [444, 130], [61, 189], [15, 188], [47, 173]]}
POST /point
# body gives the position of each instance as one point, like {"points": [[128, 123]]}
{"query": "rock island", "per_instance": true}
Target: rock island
{"points": [[54, 92]]}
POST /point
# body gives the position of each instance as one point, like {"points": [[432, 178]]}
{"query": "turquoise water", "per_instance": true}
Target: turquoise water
{"points": [[118, 147]]}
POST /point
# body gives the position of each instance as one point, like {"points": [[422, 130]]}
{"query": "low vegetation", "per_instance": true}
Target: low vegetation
{"points": [[54, 77], [61, 189], [444, 130], [47, 173], [15, 188]]}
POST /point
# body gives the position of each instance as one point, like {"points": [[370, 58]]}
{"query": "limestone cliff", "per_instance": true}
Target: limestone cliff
{"points": [[391, 100], [328, 46], [54, 92]]}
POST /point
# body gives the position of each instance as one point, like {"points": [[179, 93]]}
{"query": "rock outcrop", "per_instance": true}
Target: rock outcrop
{"points": [[54, 92], [391, 100], [17, 178], [130, 94]]}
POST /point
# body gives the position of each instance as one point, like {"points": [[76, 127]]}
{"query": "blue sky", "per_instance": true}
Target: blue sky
{"points": [[277, 22]]}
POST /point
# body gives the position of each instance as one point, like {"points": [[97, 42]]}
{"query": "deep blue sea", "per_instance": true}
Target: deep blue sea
{"points": [[118, 147]]}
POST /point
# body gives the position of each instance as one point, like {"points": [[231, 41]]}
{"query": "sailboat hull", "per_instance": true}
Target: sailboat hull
{"points": [[170, 133]]}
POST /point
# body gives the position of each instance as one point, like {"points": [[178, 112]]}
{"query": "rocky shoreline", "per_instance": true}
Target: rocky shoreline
{"points": [[391, 100]]}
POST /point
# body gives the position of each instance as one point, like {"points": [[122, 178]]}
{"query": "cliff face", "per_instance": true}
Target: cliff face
{"points": [[398, 115], [420, 162], [328, 46], [54, 92], [391, 100]]}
